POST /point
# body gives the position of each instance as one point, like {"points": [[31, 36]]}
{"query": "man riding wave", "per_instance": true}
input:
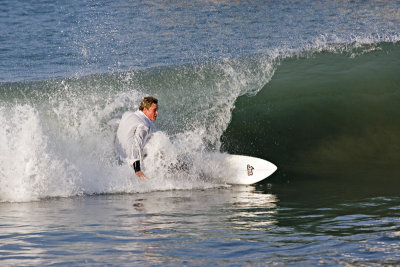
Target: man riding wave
{"points": [[134, 130]]}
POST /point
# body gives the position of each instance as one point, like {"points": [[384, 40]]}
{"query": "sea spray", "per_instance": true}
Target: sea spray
{"points": [[181, 162]]}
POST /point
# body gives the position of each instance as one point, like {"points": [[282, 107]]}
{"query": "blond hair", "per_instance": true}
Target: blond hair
{"points": [[147, 102]]}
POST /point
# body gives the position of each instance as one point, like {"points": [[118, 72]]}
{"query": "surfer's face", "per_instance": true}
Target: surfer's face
{"points": [[151, 112]]}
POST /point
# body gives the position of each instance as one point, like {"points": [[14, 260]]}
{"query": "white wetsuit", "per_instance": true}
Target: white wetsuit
{"points": [[133, 132]]}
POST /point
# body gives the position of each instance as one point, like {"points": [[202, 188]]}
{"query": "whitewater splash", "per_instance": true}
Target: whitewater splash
{"points": [[29, 168], [56, 142], [36, 163]]}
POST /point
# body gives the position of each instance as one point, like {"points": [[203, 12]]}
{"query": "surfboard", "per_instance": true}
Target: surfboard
{"points": [[246, 170]]}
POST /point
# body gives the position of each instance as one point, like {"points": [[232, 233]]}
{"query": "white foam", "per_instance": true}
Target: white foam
{"points": [[28, 169]]}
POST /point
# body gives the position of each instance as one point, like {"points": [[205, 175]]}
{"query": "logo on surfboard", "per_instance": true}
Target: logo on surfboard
{"points": [[249, 170]]}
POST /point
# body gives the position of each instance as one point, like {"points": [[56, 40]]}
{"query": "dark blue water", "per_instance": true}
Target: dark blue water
{"points": [[312, 86], [46, 39]]}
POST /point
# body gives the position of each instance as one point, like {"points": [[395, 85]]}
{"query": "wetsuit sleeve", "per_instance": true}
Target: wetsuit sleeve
{"points": [[136, 166]]}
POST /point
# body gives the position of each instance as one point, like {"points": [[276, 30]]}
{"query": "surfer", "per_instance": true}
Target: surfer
{"points": [[133, 132]]}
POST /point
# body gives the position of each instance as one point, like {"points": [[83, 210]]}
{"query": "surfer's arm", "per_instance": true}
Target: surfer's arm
{"points": [[137, 149]]}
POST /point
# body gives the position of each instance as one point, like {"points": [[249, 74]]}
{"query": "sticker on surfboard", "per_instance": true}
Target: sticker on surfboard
{"points": [[249, 170]]}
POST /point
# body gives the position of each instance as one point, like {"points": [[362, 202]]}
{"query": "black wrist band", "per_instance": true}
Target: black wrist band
{"points": [[136, 166]]}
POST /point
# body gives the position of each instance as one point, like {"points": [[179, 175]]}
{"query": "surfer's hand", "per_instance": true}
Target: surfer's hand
{"points": [[140, 175]]}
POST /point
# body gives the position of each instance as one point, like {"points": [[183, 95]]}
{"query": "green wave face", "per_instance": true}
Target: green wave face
{"points": [[325, 114]]}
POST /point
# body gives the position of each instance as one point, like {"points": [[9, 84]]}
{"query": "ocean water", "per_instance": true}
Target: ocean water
{"points": [[312, 86]]}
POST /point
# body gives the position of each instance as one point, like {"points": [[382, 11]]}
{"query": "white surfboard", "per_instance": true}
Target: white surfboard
{"points": [[247, 170]]}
